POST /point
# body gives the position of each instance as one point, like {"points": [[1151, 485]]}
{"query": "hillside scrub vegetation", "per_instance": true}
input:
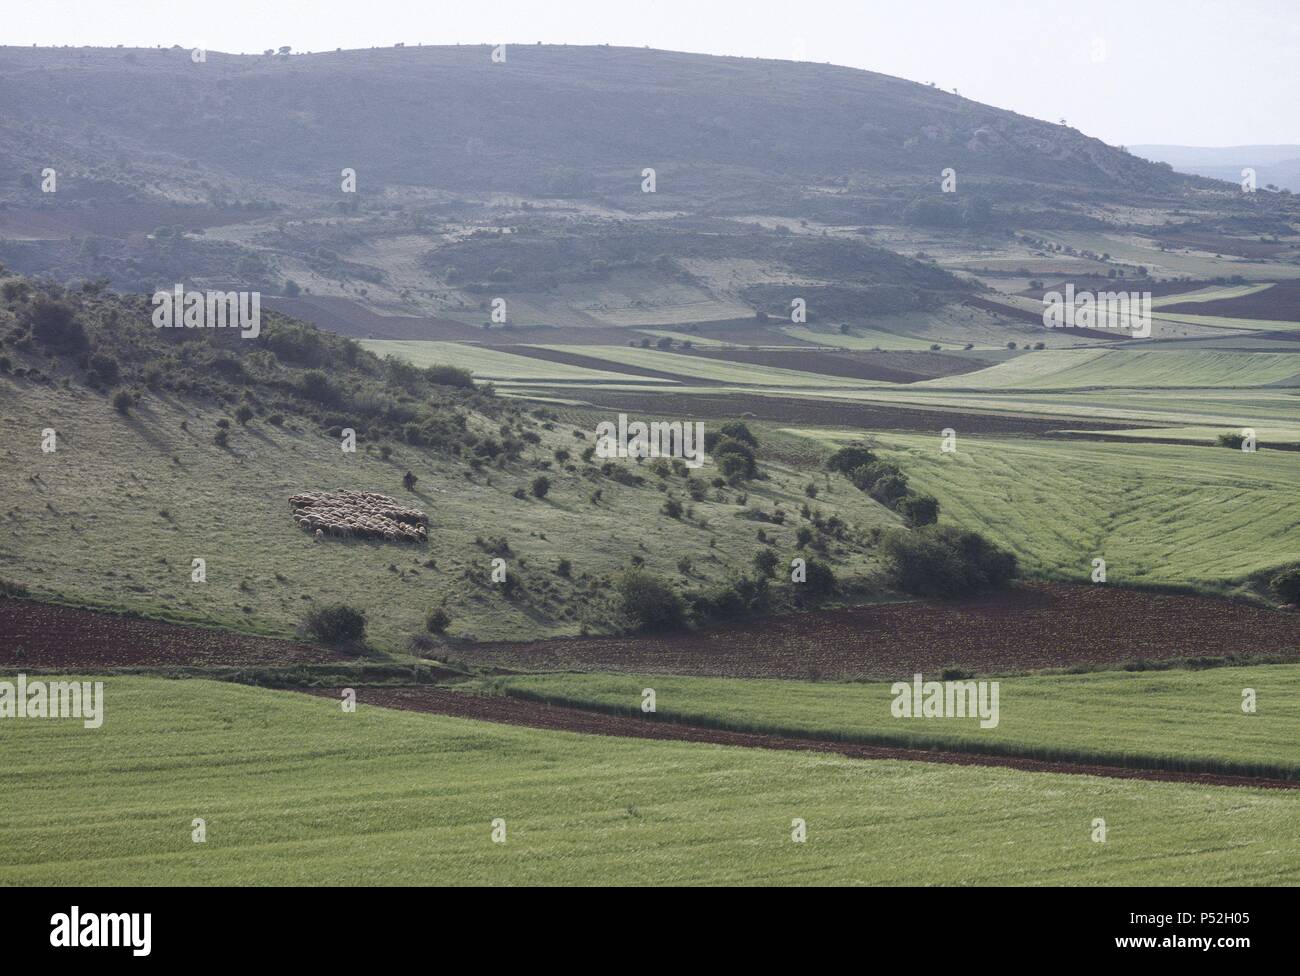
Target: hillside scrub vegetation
{"points": [[944, 561], [235, 426]]}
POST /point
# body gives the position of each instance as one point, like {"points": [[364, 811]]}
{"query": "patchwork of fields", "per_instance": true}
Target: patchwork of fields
{"points": [[1064, 455]]}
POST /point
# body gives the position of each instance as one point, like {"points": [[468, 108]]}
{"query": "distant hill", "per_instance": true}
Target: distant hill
{"points": [[1279, 165], [551, 119], [525, 180]]}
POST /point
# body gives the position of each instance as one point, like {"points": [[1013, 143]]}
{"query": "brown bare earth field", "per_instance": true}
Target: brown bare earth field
{"points": [[1032, 626], [1223, 244], [893, 367], [827, 412], [591, 362], [540, 715], [344, 317], [54, 636], [1281, 303]]}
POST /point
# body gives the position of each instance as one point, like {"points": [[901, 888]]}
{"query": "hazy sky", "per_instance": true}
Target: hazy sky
{"points": [[1192, 72]]}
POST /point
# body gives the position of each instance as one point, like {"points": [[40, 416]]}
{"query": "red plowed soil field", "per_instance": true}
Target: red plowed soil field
{"points": [[539, 715], [1281, 302], [825, 412], [1035, 625], [52, 636]]}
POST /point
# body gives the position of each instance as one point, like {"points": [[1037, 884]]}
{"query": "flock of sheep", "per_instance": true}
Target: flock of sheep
{"points": [[364, 514]]}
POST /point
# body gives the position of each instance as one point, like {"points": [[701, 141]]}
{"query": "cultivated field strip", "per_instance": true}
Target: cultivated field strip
{"points": [[296, 791]]}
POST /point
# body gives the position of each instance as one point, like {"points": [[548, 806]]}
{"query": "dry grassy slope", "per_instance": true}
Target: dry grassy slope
{"points": [[86, 523]]}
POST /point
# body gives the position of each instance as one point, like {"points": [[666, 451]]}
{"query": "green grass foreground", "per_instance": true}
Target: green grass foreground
{"points": [[295, 791]]}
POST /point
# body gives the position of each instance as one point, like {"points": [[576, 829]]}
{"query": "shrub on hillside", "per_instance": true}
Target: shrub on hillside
{"points": [[122, 401], [765, 561], [1286, 585], [437, 621], [864, 477], [335, 623], [918, 509], [847, 459], [735, 458], [738, 430], [648, 602], [889, 489], [105, 368], [449, 376], [541, 485], [55, 325], [1230, 440], [743, 598], [315, 385], [945, 561], [818, 586]]}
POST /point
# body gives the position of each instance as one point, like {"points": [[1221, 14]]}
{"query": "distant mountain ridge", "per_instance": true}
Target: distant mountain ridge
{"points": [[1279, 165], [550, 119]]}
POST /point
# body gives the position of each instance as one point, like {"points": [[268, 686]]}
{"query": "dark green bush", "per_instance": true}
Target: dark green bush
{"points": [[335, 623], [744, 598], [847, 459], [648, 602], [1286, 585], [739, 431], [944, 561], [865, 476], [889, 489], [918, 509], [818, 586], [55, 325], [449, 376], [735, 458]]}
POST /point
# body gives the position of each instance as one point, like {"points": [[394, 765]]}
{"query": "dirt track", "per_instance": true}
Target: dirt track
{"points": [[1035, 625], [55, 636], [514, 711]]}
